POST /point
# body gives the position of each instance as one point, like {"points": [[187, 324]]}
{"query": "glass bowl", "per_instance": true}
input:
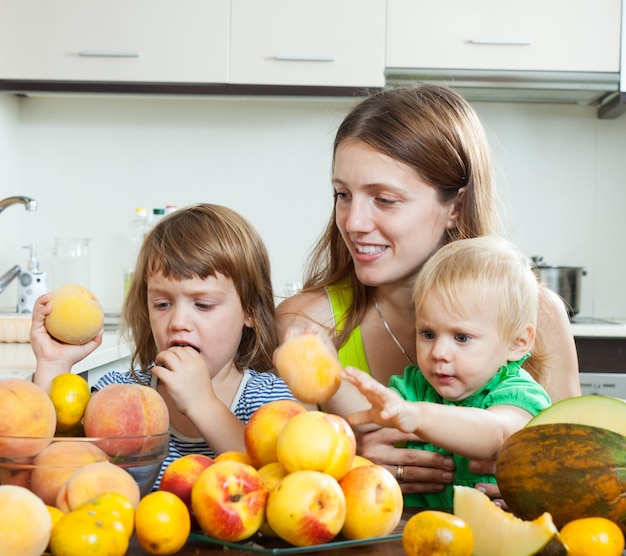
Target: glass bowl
{"points": [[28, 462]]}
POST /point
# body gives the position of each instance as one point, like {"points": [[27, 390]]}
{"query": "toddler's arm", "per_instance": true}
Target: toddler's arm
{"points": [[466, 431]]}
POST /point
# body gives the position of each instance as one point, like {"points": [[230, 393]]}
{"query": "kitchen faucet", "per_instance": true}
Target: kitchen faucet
{"points": [[29, 204]]}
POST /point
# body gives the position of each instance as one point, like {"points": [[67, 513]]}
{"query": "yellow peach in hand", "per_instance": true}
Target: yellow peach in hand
{"points": [[308, 366], [76, 316]]}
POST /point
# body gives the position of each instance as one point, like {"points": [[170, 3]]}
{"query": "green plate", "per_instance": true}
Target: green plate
{"points": [[260, 544]]}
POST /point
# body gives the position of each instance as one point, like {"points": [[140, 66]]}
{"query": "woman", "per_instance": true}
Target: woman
{"points": [[411, 173]]}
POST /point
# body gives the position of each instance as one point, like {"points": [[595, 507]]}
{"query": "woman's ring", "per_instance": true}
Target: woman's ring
{"points": [[400, 473]]}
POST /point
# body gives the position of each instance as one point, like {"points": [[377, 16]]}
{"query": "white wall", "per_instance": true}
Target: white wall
{"points": [[89, 161]]}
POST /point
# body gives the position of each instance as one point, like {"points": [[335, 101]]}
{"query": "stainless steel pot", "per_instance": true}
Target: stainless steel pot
{"points": [[564, 280]]}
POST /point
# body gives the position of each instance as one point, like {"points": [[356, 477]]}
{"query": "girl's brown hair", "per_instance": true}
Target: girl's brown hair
{"points": [[197, 242]]}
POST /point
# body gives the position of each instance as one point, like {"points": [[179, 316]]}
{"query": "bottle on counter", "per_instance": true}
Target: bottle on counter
{"points": [[157, 214], [137, 230]]}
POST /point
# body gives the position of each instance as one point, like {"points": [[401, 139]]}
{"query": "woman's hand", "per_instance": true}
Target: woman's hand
{"points": [[422, 471], [490, 489], [54, 357]]}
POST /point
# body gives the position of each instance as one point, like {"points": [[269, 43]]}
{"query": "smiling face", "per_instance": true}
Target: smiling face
{"points": [[390, 219], [205, 314]]}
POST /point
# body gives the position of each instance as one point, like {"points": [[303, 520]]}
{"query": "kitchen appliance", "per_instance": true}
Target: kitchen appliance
{"points": [[564, 280]]}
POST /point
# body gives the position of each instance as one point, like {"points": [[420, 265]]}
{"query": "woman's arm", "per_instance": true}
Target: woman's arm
{"points": [[555, 342], [306, 312]]}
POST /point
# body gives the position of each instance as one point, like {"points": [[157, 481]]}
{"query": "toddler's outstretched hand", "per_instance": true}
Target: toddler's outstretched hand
{"points": [[388, 408]]}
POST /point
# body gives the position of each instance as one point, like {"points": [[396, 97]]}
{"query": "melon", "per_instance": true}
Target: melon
{"points": [[595, 410], [570, 470], [497, 532]]}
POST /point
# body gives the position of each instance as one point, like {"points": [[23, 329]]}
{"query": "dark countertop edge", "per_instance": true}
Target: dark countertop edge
{"points": [[21, 86]]}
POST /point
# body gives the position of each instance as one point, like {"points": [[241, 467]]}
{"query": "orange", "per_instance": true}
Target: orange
{"points": [[88, 533], [69, 394], [113, 504], [55, 514], [438, 534], [234, 455], [592, 535], [162, 523]]}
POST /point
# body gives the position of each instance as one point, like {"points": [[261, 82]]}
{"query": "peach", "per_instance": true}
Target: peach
{"points": [[228, 500], [234, 455], [16, 472], [317, 441], [25, 522], [25, 411], [306, 508], [261, 432], [180, 475], [94, 479], [360, 460], [57, 462], [308, 366], [126, 410], [373, 502], [272, 474], [76, 316]]}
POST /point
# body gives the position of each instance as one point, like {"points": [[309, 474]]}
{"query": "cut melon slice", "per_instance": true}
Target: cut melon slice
{"points": [[594, 410], [497, 532]]}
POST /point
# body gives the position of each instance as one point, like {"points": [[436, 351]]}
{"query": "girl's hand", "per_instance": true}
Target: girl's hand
{"points": [[423, 471], [185, 376], [54, 357]]}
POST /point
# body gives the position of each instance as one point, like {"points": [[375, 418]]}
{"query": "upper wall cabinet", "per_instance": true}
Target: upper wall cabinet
{"points": [[534, 35], [115, 40], [300, 42]]}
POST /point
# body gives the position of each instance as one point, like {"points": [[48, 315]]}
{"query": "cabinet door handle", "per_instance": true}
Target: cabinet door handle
{"points": [[500, 42], [294, 58], [109, 53]]}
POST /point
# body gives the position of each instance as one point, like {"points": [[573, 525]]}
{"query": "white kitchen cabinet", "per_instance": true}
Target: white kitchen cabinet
{"points": [[534, 35], [305, 42], [115, 40]]}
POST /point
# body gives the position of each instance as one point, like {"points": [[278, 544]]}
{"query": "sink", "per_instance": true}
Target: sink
{"points": [[14, 328]]}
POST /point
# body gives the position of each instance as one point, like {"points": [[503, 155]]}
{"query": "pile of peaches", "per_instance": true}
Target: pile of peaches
{"points": [[299, 480], [121, 424]]}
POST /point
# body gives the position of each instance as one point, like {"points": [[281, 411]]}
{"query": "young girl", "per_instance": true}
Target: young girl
{"points": [[476, 311], [200, 315]]}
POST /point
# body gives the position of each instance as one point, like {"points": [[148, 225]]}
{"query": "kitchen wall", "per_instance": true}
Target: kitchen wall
{"points": [[89, 161]]}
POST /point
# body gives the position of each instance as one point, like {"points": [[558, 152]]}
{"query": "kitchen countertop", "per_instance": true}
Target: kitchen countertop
{"points": [[20, 357], [598, 328]]}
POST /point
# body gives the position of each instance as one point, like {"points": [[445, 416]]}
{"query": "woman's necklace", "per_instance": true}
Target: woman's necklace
{"points": [[393, 336]]}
